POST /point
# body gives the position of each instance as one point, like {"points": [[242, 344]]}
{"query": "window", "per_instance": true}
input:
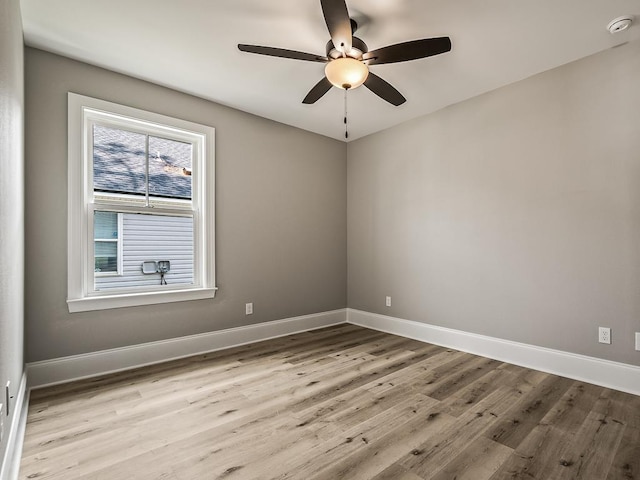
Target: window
{"points": [[141, 207], [107, 247]]}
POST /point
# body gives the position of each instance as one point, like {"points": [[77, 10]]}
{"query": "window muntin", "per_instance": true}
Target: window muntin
{"points": [[138, 165]]}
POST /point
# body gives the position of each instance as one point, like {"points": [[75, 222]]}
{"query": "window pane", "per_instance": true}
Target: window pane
{"points": [[153, 238], [105, 225], [119, 164], [169, 168], [106, 257]]}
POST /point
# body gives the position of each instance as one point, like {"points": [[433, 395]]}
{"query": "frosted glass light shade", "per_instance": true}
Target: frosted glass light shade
{"points": [[346, 72]]}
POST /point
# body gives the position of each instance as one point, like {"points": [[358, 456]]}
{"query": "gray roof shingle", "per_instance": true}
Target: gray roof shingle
{"points": [[119, 164]]}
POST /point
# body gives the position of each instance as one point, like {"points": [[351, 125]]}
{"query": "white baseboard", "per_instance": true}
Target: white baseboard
{"points": [[65, 369], [10, 464], [619, 376]]}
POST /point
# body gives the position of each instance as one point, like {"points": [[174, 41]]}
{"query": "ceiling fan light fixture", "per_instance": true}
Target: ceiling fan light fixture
{"points": [[347, 65], [346, 72]]}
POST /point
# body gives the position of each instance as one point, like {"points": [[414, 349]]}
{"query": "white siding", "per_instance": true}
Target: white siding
{"points": [[153, 238]]}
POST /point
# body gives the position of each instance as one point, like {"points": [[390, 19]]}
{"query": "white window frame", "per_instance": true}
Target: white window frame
{"points": [[83, 113], [118, 242]]}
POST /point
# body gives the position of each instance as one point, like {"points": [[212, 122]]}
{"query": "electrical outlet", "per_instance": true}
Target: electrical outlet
{"points": [[387, 301], [248, 309], [638, 341], [604, 335], [1, 423]]}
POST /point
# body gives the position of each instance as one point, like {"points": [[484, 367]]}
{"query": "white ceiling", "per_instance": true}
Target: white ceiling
{"points": [[191, 45]]}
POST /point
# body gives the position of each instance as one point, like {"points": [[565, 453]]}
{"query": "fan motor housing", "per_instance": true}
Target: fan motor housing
{"points": [[358, 47]]}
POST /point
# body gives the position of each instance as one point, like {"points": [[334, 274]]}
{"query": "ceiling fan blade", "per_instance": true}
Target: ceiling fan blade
{"points": [[338, 22], [322, 87], [282, 53], [402, 52], [384, 90]]}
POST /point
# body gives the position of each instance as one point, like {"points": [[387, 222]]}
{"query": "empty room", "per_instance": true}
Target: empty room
{"points": [[319, 239]]}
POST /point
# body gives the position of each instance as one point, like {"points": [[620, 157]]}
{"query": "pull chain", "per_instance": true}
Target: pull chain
{"points": [[346, 127]]}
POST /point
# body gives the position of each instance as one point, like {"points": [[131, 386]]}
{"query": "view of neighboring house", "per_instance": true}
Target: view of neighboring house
{"points": [[120, 164], [125, 165]]}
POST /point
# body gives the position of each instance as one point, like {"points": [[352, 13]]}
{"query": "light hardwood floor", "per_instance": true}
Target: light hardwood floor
{"points": [[338, 403]]}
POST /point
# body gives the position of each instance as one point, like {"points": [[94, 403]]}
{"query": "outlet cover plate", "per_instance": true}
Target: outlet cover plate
{"points": [[638, 341], [248, 309], [387, 301], [604, 335]]}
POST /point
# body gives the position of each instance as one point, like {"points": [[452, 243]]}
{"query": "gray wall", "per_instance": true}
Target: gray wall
{"points": [[515, 214], [11, 202], [281, 217]]}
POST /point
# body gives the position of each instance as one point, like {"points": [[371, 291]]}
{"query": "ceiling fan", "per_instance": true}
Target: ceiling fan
{"points": [[348, 59]]}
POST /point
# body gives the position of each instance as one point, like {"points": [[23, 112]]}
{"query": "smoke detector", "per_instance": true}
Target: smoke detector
{"points": [[620, 24]]}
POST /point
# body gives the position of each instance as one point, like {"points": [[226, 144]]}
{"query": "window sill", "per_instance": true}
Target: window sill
{"points": [[106, 302]]}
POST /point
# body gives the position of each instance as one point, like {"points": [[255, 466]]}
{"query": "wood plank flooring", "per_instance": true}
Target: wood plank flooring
{"points": [[338, 403]]}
